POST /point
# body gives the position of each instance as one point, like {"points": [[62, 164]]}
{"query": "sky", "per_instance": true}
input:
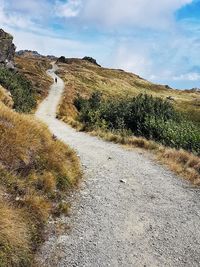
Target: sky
{"points": [[156, 39]]}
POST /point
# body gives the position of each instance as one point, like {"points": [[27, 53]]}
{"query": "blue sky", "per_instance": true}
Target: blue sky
{"points": [[157, 39]]}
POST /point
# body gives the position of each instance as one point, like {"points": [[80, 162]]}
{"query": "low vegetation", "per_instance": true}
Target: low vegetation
{"points": [[20, 88], [36, 171], [146, 116]]}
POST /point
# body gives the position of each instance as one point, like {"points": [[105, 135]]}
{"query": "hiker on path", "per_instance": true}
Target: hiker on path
{"points": [[56, 79]]}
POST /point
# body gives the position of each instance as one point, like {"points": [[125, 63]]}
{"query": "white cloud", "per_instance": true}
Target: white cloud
{"points": [[48, 45], [193, 76], [131, 55], [14, 19], [142, 13], [69, 9], [36, 7], [164, 57]]}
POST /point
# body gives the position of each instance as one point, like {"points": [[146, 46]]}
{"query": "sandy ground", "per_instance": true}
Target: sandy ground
{"points": [[129, 211]]}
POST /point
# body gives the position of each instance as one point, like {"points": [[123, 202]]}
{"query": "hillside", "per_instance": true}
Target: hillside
{"points": [[34, 68], [124, 108], [84, 78]]}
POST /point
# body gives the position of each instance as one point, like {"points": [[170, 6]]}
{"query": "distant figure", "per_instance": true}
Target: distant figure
{"points": [[56, 80]]}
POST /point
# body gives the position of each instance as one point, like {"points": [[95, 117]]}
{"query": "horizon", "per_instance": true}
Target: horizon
{"points": [[159, 42]]}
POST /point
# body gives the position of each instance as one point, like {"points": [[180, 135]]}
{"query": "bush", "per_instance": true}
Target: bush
{"points": [[143, 115], [21, 90], [183, 134]]}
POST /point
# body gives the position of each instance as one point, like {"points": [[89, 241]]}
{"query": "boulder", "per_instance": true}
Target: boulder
{"points": [[7, 49]]}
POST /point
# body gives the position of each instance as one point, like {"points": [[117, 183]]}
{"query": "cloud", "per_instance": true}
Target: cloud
{"points": [[193, 76], [132, 55], [69, 9], [32, 8], [140, 13], [48, 45], [164, 57], [141, 36], [25, 14], [12, 18]]}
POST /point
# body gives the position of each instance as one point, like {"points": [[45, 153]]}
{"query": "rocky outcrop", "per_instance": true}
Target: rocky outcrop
{"points": [[7, 49], [28, 53], [91, 60], [65, 60]]}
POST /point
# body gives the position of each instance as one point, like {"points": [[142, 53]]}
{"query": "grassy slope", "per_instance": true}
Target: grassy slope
{"points": [[36, 171], [84, 78]]}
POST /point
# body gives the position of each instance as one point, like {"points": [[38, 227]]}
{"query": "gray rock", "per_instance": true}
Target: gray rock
{"points": [[10, 65], [123, 181], [7, 49]]}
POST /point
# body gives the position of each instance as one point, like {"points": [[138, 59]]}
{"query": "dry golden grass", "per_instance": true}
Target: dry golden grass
{"points": [[82, 77], [5, 97], [182, 162], [35, 172], [15, 238]]}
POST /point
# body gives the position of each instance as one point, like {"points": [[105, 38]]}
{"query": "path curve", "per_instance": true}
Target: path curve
{"points": [[153, 219]]}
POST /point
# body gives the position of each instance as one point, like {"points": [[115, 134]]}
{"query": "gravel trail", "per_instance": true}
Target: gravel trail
{"points": [[129, 211]]}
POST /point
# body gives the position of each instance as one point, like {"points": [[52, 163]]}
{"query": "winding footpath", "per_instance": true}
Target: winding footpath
{"points": [[129, 211]]}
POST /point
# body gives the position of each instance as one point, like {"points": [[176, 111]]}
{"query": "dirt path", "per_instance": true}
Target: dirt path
{"points": [[153, 219]]}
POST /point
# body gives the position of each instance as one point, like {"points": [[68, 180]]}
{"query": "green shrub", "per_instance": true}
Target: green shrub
{"points": [[183, 134], [20, 88], [143, 115]]}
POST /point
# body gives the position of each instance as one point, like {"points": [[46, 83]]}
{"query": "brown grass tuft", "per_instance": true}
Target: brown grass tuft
{"points": [[47, 182], [182, 162], [15, 238], [38, 206], [5, 97]]}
